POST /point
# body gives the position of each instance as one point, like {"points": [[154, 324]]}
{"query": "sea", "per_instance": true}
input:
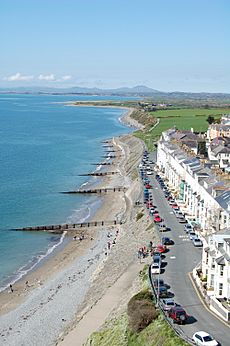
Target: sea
{"points": [[45, 146]]}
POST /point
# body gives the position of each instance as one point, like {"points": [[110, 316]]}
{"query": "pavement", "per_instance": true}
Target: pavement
{"points": [[179, 262]]}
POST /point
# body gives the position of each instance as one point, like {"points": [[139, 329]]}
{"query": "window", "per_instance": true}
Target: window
{"points": [[212, 280], [220, 289], [221, 269], [213, 263]]}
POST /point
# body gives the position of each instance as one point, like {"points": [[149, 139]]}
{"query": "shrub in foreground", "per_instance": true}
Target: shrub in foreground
{"points": [[141, 311]]}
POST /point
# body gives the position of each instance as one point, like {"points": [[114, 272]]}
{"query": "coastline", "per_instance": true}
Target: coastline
{"points": [[40, 262], [39, 281]]}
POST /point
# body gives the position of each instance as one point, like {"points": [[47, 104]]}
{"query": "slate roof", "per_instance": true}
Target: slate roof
{"points": [[224, 199], [221, 149]]}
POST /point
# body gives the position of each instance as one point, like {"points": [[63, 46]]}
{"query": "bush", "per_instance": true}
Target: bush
{"points": [[141, 311]]}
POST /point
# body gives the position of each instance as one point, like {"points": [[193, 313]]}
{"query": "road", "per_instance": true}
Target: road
{"points": [[181, 259]]}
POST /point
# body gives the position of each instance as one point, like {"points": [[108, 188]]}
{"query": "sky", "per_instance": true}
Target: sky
{"points": [[168, 45]]}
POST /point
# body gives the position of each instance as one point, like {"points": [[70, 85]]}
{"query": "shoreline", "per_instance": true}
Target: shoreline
{"points": [[125, 119], [39, 280], [55, 275]]}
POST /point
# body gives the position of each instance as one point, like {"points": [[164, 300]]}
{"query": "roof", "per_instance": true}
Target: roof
{"points": [[220, 260], [219, 141], [227, 240], [224, 199], [221, 149]]}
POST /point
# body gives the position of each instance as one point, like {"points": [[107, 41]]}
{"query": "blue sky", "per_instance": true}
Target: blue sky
{"points": [[167, 44]]}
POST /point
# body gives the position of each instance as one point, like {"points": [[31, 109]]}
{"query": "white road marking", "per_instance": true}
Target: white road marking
{"points": [[171, 212], [172, 257]]}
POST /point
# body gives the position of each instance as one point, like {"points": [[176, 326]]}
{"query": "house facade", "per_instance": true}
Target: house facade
{"points": [[195, 184]]}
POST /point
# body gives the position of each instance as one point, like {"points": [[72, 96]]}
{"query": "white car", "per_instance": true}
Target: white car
{"points": [[203, 338], [149, 172], [197, 242]]}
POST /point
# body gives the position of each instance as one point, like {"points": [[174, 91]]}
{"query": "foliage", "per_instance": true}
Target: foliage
{"points": [[210, 119], [116, 333]]}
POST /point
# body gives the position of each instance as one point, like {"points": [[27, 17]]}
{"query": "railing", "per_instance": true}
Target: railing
{"points": [[179, 332]]}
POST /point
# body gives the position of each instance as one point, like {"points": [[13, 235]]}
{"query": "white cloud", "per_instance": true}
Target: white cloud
{"points": [[48, 77], [67, 77], [18, 77]]}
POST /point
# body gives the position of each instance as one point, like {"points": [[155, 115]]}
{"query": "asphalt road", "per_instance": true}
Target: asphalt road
{"points": [[180, 261]]}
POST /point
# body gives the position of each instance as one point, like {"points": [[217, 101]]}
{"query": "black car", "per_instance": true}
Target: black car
{"points": [[167, 241]]}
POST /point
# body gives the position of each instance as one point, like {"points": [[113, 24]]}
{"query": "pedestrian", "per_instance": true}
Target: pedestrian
{"points": [[109, 245], [11, 288]]}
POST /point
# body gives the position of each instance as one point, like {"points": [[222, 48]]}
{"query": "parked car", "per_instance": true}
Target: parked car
{"points": [[178, 314], [182, 220], [158, 281], [162, 228], [156, 264], [192, 235], [167, 241], [203, 338], [163, 291], [197, 242], [149, 172], [161, 248], [157, 219], [167, 303], [188, 228], [179, 214]]}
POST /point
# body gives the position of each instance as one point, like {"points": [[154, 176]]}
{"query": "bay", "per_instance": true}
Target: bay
{"points": [[44, 146]]}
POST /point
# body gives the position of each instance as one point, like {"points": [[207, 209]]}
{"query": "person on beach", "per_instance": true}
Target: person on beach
{"points": [[11, 288]]}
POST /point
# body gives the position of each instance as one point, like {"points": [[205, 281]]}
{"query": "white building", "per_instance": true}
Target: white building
{"points": [[203, 194], [215, 267]]}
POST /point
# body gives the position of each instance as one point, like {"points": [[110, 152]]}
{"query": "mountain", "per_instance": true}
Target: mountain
{"points": [[137, 90]]}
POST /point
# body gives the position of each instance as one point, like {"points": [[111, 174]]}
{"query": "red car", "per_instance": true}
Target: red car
{"points": [[161, 248], [178, 315], [148, 186], [157, 219], [174, 206]]}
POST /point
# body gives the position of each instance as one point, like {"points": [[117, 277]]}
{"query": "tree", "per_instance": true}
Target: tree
{"points": [[210, 119]]}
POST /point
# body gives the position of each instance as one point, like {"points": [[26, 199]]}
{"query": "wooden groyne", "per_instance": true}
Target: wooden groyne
{"points": [[68, 226], [103, 190], [98, 174], [110, 156], [107, 141], [102, 164]]}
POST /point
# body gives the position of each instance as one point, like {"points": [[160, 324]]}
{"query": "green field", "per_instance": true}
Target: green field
{"points": [[183, 119]]}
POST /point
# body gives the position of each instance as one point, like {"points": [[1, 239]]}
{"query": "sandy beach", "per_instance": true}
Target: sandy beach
{"points": [[48, 306]]}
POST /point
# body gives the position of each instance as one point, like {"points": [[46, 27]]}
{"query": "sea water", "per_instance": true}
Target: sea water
{"points": [[45, 145]]}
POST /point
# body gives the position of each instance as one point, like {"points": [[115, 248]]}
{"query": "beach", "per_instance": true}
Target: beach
{"points": [[65, 289]]}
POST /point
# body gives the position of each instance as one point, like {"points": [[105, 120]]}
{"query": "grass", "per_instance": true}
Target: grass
{"points": [[182, 119], [116, 333]]}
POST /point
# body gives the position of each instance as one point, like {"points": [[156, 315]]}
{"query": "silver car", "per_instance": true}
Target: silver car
{"points": [[167, 303]]}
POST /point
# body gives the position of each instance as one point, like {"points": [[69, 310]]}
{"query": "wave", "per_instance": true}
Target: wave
{"points": [[25, 269]]}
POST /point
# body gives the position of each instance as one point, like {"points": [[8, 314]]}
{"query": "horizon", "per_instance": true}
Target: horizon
{"points": [[167, 46], [29, 89]]}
